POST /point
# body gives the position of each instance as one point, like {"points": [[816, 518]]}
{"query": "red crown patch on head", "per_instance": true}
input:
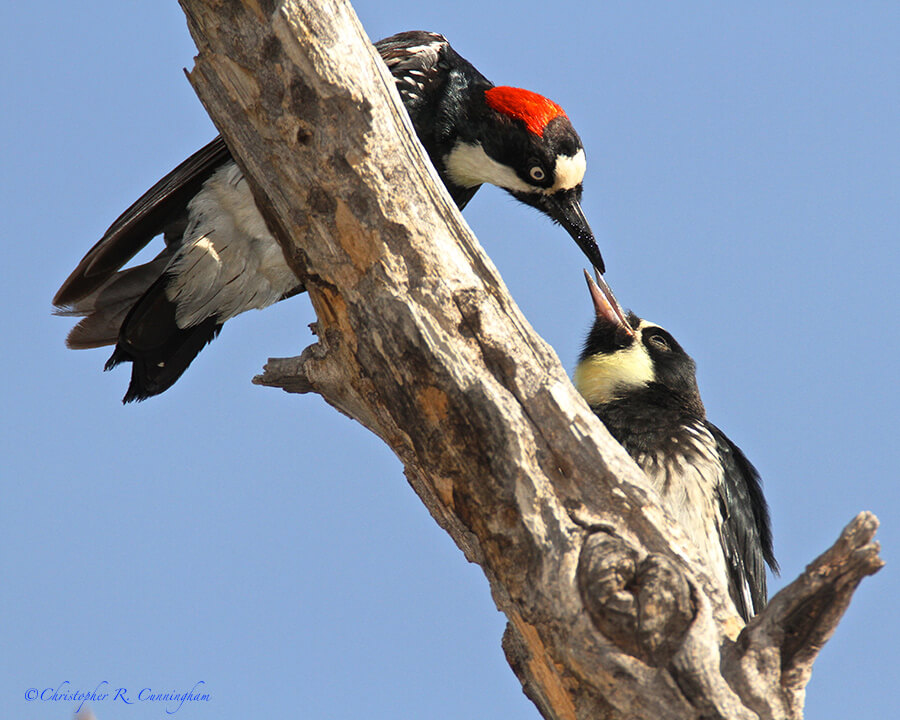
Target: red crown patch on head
{"points": [[529, 107]]}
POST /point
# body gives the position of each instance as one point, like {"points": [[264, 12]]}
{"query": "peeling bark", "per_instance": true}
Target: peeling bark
{"points": [[610, 613]]}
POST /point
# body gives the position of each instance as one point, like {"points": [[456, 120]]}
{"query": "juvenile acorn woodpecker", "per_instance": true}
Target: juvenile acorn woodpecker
{"points": [[643, 386], [220, 259]]}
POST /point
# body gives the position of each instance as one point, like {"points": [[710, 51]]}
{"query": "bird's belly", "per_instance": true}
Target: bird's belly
{"points": [[228, 261], [688, 489]]}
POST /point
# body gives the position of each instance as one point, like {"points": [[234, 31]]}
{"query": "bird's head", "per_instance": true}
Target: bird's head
{"points": [[624, 354], [527, 146]]}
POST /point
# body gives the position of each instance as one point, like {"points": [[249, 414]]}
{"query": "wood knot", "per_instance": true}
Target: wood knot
{"points": [[642, 603]]}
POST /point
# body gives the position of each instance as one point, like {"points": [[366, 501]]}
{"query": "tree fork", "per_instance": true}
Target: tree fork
{"points": [[610, 613]]}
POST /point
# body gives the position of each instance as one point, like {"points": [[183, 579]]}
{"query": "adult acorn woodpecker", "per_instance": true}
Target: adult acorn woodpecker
{"points": [[220, 259], [643, 386]]}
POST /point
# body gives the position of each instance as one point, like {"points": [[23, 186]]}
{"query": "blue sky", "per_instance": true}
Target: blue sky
{"points": [[743, 179]]}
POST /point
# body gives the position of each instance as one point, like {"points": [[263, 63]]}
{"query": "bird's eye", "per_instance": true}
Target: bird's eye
{"points": [[659, 342], [537, 173]]}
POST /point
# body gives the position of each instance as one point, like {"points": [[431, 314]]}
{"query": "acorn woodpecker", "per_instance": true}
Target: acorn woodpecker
{"points": [[643, 386], [220, 259]]}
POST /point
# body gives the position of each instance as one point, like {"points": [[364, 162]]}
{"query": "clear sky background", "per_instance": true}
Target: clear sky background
{"points": [[743, 179]]}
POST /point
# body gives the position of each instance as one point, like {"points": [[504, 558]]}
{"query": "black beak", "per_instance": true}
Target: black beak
{"points": [[606, 306]]}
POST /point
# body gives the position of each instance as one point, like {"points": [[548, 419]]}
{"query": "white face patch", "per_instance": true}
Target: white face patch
{"points": [[569, 171], [469, 165], [603, 378]]}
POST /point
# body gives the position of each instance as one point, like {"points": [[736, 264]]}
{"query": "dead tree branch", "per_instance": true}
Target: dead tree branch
{"points": [[610, 614]]}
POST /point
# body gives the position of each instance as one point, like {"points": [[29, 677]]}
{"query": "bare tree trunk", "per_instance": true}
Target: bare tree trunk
{"points": [[610, 613]]}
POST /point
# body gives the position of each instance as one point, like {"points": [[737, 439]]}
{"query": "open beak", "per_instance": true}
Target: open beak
{"points": [[564, 207], [605, 304]]}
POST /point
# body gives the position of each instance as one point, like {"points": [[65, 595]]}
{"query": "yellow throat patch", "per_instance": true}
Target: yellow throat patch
{"points": [[602, 378]]}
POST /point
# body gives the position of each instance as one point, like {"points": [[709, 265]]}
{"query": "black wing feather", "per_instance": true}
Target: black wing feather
{"points": [[746, 532], [162, 205]]}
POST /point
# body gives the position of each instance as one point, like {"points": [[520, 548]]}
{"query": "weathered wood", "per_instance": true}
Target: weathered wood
{"points": [[610, 613]]}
